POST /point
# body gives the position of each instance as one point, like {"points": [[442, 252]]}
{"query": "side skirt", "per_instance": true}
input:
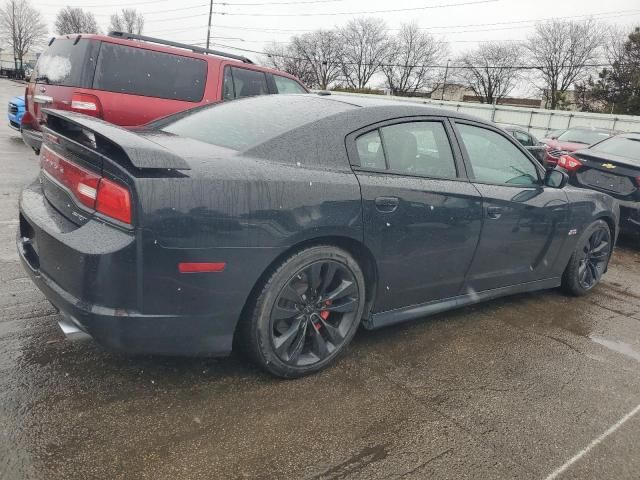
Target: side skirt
{"points": [[391, 317]]}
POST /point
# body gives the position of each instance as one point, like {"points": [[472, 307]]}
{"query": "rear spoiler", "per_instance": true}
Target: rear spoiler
{"points": [[142, 152]]}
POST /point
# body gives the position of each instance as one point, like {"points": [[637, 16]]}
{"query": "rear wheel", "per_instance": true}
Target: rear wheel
{"points": [[306, 313], [589, 260]]}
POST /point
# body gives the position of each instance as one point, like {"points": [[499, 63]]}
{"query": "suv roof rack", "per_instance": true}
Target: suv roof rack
{"points": [[193, 48]]}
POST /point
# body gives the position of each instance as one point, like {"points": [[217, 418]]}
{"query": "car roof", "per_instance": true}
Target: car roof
{"points": [[404, 108], [510, 127], [590, 129], [157, 47], [632, 135]]}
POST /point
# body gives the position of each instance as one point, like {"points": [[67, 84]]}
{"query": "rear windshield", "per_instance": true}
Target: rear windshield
{"points": [[587, 137], [243, 124], [622, 146], [67, 63], [144, 72]]}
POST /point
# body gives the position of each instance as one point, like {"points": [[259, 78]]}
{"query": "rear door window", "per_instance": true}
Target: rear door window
{"points": [[523, 138], [286, 85], [68, 63], [139, 71], [248, 83]]}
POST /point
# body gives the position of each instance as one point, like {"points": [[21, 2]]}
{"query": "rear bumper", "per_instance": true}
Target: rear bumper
{"points": [[116, 327], [131, 332], [32, 138]]}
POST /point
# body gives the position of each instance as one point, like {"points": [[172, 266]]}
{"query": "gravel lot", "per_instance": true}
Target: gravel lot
{"points": [[517, 388]]}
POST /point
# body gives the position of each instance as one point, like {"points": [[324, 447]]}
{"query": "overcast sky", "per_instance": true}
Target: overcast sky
{"points": [[462, 25], [251, 24]]}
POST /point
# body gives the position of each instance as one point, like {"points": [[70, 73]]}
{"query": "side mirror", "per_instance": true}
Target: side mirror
{"points": [[555, 178]]}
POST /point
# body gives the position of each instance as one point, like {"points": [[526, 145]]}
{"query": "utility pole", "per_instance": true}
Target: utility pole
{"points": [[209, 26], [13, 35], [444, 83]]}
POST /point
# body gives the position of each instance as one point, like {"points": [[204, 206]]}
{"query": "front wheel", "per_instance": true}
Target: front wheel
{"points": [[589, 260], [307, 312]]}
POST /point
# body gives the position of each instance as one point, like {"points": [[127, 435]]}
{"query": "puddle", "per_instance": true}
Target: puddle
{"points": [[617, 346]]}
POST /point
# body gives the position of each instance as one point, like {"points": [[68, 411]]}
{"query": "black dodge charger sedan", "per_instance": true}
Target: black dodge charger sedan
{"points": [[281, 223]]}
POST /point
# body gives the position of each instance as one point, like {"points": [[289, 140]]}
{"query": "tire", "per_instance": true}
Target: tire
{"points": [[588, 260], [297, 288]]}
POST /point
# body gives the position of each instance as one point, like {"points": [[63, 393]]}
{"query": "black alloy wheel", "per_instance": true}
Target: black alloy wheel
{"points": [[306, 313], [314, 312], [590, 259], [595, 256]]}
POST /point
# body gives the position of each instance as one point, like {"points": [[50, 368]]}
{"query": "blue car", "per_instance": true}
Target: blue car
{"points": [[16, 111]]}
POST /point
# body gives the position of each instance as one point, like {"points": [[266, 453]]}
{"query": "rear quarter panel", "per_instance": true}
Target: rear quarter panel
{"points": [[243, 211], [587, 206]]}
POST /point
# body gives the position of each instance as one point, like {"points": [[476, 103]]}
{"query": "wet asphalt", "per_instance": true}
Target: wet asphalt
{"points": [[514, 388]]}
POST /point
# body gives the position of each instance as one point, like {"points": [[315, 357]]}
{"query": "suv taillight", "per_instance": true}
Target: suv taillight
{"points": [[89, 188], [87, 104]]}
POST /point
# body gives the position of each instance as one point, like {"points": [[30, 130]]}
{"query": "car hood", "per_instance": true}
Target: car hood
{"points": [[19, 101]]}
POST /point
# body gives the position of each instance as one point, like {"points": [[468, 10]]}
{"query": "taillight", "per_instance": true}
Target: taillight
{"points": [[87, 104], [92, 190], [82, 183], [114, 201], [569, 163], [638, 181], [27, 120]]}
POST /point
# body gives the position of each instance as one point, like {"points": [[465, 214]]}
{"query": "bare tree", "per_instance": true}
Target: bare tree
{"points": [[491, 70], [22, 28], [285, 58], [412, 54], [129, 21], [365, 48], [562, 51], [75, 20], [322, 51]]}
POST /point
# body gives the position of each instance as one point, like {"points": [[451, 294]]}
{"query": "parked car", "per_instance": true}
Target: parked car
{"points": [[611, 166], [284, 223], [15, 112], [571, 140], [553, 134], [130, 80], [528, 141]]}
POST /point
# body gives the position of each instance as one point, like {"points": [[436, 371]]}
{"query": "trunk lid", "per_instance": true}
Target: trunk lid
{"points": [[611, 174], [80, 155]]}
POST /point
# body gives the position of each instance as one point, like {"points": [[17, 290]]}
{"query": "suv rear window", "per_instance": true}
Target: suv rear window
{"points": [[68, 63], [139, 71], [244, 124]]}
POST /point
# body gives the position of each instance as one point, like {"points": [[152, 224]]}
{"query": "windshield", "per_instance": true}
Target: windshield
{"points": [[585, 136], [243, 124], [622, 146]]}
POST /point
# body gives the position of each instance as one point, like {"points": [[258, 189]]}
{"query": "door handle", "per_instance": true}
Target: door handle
{"points": [[42, 99], [387, 204], [494, 212]]}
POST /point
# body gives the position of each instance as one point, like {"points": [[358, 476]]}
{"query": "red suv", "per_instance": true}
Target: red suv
{"points": [[131, 79]]}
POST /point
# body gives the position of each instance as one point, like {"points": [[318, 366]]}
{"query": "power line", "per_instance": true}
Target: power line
{"points": [[367, 12], [459, 67], [294, 2], [608, 14]]}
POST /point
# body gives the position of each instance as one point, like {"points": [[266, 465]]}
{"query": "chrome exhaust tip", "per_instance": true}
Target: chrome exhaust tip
{"points": [[72, 331]]}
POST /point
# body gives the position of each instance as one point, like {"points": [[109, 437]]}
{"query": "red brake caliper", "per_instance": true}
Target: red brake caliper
{"points": [[324, 314]]}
